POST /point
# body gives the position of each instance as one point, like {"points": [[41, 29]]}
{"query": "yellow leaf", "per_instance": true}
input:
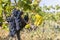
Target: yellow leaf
{"points": [[38, 20], [27, 26]]}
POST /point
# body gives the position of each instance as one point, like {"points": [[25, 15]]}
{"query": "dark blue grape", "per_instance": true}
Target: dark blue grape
{"points": [[14, 13], [12, 32], [17, 21], [12, 27]]}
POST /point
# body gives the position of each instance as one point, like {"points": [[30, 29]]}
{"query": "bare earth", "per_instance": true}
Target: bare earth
{"points": [[49, 30]]}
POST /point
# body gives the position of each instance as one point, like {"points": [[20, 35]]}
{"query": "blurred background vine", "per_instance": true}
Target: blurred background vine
{"points": [[28, 6]]}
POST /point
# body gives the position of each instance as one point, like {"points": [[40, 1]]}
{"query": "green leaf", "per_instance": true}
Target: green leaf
{"points": [[1, 10], [4, 0]]}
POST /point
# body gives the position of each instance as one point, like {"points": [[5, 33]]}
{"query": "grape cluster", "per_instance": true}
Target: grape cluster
{"points": [[16, 22]]}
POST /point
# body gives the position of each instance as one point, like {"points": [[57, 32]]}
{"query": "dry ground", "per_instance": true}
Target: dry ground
{"points": [[49, 30]]}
